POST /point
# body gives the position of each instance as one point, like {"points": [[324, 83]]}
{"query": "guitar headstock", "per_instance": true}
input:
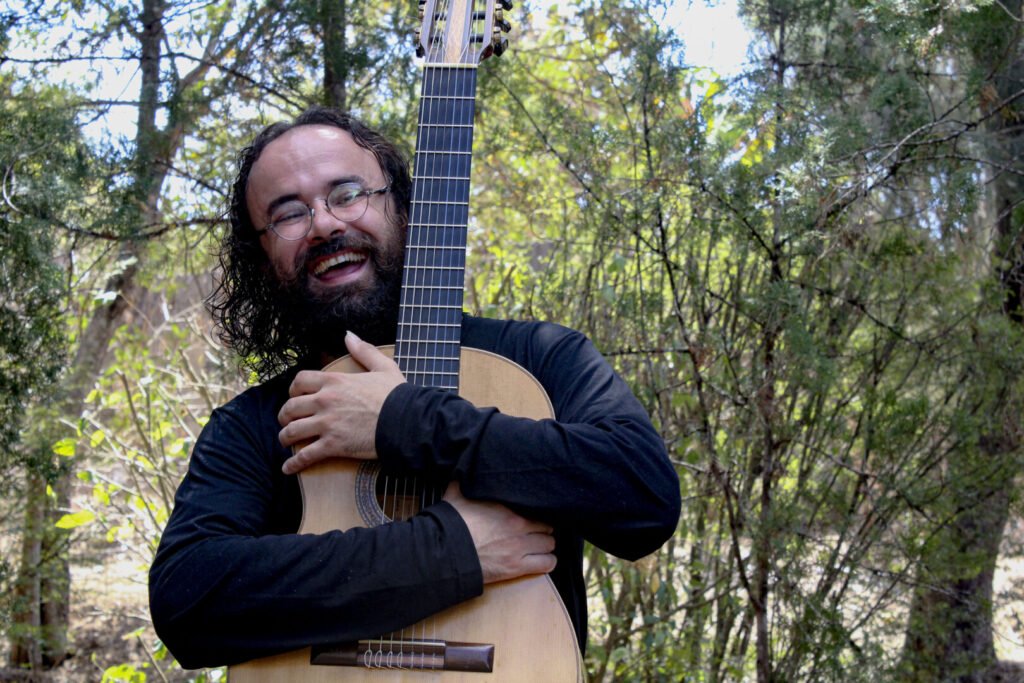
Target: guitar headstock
{"points": [[461, 31]]}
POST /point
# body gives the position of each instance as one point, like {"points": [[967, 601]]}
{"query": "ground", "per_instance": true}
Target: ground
{"points": [[111, 627]]}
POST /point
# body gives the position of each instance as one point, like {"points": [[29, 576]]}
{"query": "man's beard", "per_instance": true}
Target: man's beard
{"points": [[317, 321]]}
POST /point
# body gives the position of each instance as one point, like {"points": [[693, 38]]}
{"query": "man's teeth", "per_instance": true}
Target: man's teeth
{"points": [[337, 260]]}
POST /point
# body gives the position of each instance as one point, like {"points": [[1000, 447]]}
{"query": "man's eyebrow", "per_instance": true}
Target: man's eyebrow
{"points": [[283, 199], [357, 179]]}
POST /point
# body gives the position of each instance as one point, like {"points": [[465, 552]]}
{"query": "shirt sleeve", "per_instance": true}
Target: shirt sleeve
{"points": [[598, 470], [230, 584]]}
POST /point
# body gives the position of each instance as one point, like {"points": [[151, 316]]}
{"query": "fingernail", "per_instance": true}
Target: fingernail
{"points": [[353, 335]]}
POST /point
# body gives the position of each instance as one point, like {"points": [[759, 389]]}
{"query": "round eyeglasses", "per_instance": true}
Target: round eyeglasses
{"points": [[292, 220]]}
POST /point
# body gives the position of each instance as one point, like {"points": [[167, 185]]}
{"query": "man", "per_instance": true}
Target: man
{"points": [[312, 270]]}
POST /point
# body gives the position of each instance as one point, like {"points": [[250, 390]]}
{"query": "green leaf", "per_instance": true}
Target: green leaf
{"points": [[75, 519], [65, 447]]}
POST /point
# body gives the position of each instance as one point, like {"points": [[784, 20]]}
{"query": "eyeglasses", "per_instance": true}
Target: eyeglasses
{"points": [[347, 202]]}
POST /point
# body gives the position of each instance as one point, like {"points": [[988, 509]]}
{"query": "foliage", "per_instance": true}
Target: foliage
{"points": [[32, 348], [41, 182], [804, 272], [786, 268]]}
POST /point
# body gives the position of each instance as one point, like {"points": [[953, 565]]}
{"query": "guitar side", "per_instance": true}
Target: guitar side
{"points": [[524, 619]]}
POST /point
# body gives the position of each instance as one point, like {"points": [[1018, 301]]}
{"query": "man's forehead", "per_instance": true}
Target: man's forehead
{"points": [[311, 150], [311, 140]]}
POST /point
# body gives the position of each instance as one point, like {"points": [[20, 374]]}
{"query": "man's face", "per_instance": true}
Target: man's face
{"points": [[346, 275]]}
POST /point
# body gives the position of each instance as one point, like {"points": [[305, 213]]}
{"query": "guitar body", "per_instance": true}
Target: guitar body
{"points": [[524, 620]]}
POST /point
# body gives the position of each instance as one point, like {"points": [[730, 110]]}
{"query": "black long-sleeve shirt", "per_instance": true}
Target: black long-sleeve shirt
{"points": [[232, 580]]}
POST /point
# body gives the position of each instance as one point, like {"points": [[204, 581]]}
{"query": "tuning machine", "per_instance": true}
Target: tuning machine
{"points": [[417, 43], [499, 43]]}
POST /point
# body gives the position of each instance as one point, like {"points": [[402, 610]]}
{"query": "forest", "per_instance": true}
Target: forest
{"points": [[810, 272]]}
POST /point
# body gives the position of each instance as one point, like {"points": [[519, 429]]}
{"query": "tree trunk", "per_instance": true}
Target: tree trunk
{"points": [[335, 54], [949, 633], [42, 588]]}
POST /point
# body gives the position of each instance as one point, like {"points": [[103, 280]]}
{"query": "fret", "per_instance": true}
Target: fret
{"points": [[433, 190], [448, 348], [456, 166], [430, 315], [419, 222], [431, 356], [446, 151], [452, 253], [445, 139], [433, 378], [434, 326], [454, 66], [454, 216], [442, 366], [429, 268], [434, 364], [429, 365], [444, 111], [439, 298], [435, 247]]}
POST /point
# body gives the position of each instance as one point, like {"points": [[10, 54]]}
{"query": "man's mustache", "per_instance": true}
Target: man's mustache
{"points": [[354, 240]]}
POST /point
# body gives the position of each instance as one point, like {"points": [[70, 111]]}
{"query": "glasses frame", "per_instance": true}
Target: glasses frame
{"points": [[363, 194]]}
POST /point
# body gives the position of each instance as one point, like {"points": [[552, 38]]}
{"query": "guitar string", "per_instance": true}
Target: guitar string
{"points": [[402, 339], [439, 105], [429, 363], [429, 161], [418, 190]]}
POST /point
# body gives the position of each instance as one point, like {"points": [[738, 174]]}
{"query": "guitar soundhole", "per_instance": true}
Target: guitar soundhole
{"points": [[381, 498]]}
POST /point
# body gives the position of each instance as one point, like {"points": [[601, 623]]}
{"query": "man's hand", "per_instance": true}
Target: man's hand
{"points": [[509, 546], [336, 412]]}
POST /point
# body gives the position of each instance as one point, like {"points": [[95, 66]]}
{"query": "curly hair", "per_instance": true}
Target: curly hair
{"points": [[246, 301]]}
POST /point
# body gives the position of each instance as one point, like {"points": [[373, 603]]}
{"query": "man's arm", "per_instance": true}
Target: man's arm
{"points": [[231, 581], [598, 470]]}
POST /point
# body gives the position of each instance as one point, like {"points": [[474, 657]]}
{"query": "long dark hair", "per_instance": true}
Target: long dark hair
{"points": [[245, 301]]}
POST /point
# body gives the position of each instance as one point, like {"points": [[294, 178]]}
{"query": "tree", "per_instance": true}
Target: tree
{"points": [[132, 217], [785, 275], [38, 180], [950, 630], [198, 65]]}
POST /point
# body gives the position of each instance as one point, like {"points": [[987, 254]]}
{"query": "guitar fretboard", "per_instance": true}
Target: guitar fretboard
{"points": [[430, 315]]}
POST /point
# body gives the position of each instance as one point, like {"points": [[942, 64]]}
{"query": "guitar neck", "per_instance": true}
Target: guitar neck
{"points": [[430, 314]]}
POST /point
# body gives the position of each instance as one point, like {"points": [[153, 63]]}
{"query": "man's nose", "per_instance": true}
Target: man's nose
{"points": [[325, 225]]}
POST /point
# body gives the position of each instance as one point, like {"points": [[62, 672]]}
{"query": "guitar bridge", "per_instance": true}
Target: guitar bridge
{"points": [[422, 655]]}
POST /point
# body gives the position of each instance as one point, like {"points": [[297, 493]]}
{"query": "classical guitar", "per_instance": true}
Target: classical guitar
{"points": [[517, 631]]}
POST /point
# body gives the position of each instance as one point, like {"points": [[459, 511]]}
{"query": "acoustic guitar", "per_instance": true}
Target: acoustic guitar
{"points": [[518, 631]]}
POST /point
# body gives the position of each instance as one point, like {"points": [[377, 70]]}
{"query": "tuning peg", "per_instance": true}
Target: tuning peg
{"points": [[499, 21], [499, 44]]}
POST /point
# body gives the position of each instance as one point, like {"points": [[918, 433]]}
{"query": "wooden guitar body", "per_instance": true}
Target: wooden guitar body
{"points": [[523, 622]]}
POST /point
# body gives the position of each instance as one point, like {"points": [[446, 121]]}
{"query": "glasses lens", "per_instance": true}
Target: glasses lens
{"points": [[291, 220], [347, 202]]}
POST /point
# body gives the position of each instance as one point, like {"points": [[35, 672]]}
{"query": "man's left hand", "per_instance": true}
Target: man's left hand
{"points": [[334, 413]]}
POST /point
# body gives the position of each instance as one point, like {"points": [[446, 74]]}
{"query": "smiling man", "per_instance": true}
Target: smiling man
{"points": [[312, 270]]}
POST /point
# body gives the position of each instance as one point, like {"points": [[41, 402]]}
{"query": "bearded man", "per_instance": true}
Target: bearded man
{"points": [[312, 270]]}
